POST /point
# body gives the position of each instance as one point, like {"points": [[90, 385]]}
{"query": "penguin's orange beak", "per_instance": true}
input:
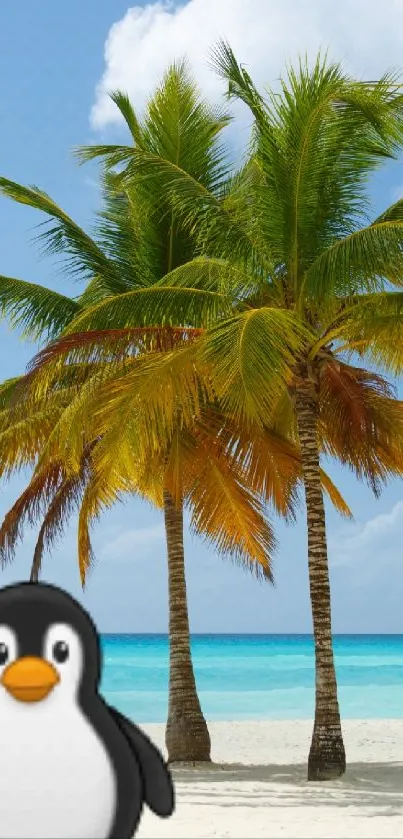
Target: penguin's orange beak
{"points": [[30, 679]]}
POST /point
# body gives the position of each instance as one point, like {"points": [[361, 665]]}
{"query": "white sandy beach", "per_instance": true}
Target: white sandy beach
{"points": [[257, 786]]}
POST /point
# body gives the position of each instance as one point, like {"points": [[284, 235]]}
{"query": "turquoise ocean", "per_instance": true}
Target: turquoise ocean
{"points": [[245, 677]]}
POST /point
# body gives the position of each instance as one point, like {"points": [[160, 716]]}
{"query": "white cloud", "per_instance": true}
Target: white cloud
{"points": [[377, 540], [131, 543], [365, 35]]}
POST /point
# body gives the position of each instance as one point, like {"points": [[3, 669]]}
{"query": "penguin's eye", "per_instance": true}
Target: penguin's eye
{"points": [[62, 647], [4, 654], [60, 652]]}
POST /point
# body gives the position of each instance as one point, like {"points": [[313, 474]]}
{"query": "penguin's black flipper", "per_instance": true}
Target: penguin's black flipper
{"points": [[159, 792]]}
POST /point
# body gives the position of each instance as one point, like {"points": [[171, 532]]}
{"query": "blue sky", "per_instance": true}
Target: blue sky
{"points": [[54, 71]]}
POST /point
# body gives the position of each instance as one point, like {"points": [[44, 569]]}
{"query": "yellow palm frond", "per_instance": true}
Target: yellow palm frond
{"points": [[360, 422], [65, 502], [227, 514], [30, 505], [335, 496]]}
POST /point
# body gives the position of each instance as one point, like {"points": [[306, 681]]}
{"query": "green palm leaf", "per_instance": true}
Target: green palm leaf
{"points": [[363, 260], [62, 235], [39, 311], [251, 357], [156, 306]]}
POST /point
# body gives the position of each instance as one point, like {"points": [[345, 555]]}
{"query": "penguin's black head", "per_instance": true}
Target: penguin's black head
{"points": [[48, 644]]}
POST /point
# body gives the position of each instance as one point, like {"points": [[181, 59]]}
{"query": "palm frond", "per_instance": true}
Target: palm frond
{"points": [[38, 311], [240, 85], [28, 507], [7, 391], [361, 261], [373, 326], [226, 512], [108, 346], [156, 306], [214, 275], [269, 460], [361, 423], [335, 496], [22, 439], [250, 357], [63, 505], [122, 102], [83, 258]]}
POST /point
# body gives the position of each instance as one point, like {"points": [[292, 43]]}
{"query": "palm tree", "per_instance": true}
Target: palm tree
{"points": [[212, 466], [291, 282], [194, 467], [138, 239]]}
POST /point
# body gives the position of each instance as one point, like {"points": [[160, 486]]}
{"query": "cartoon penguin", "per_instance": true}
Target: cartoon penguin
{"points": [[71, 767]]}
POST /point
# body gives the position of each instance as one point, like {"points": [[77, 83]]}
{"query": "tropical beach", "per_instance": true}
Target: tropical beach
{"points": [[257, 785], [201, 422], [257, 782]]}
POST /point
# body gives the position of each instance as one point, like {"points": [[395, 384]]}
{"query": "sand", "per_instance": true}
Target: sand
{"points": [[257, 786]]}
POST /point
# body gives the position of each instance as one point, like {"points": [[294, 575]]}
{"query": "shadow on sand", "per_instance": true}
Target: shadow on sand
{"points": [[375, 787]]}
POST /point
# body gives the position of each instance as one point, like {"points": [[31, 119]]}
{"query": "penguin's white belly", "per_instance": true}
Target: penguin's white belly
{"points": [[56, 779]]}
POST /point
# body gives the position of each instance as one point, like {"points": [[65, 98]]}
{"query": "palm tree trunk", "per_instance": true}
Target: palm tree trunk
{"points": [[327, 757], [36, 561], [187, 737], [33, 577]]}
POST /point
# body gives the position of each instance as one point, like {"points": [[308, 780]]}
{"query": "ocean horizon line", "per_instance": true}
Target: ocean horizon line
{"points": [[147, 634]]}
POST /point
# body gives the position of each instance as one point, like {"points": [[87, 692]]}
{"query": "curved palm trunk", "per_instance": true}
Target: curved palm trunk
{"points": [[187, 737], [33, 577], [327, 757], [37, 559]]}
